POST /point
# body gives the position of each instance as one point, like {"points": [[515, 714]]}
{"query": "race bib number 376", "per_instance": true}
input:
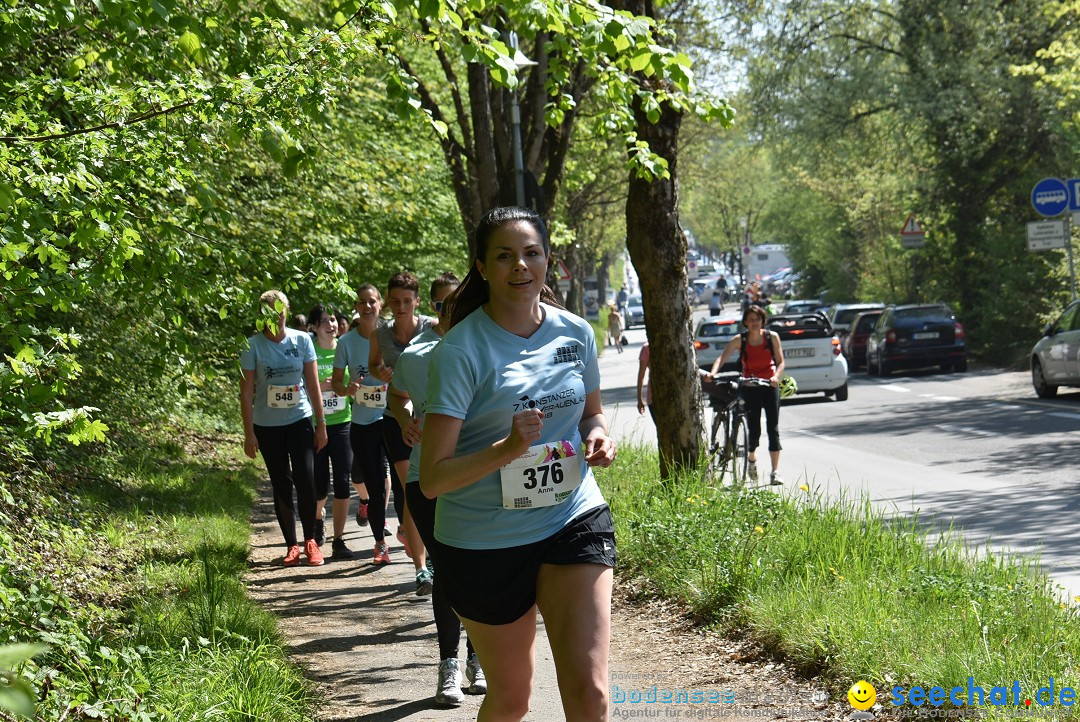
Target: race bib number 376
{"points": [[545, 475]]}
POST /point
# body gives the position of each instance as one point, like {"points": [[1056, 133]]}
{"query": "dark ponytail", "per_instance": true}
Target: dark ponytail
{"points": [[473, 291]]}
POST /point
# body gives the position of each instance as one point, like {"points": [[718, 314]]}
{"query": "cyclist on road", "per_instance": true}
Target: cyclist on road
{"points": [[280, 377], [762, 357]]}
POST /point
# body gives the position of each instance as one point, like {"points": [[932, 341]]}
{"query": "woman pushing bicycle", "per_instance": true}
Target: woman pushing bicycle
{"points": [[762, 357]]}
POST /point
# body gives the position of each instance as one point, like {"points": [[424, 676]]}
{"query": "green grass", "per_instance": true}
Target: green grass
{"points": [[155, 623], [838, 589]]}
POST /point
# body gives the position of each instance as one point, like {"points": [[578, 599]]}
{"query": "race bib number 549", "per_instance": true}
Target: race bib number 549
{"points": [[545, 475], [373, 397]]}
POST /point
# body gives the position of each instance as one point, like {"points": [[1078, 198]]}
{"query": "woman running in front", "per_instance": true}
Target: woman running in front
{"points": [[280, 378], [762, 358], [513, 424], [408, 392], [368, 402], [337, 456]]}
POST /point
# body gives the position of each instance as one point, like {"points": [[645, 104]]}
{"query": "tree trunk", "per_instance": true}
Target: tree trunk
{"points": [[658, 251]]}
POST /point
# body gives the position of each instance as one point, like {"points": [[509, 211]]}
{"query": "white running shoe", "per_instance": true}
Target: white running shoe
{"points": [[449, 690], [475, 674], [774, 479], [751, 471]]}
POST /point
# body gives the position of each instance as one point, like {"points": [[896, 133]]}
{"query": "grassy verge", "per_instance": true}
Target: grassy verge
{"points": [[127, 562], [839, 590]]}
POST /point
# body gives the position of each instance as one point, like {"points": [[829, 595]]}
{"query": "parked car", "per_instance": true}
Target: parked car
{"points": [[840, 315], [1055, 360], [812, 353], [635, 313], [804, 306], [710, 338], [916, 335], [853, 344]]}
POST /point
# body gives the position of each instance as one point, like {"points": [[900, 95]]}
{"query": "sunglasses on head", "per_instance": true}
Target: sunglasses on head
{"points": [[438, 306]]}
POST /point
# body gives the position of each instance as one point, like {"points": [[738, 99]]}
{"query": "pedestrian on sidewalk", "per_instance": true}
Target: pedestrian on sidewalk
{"points": [[615, 326], [513, 423]]}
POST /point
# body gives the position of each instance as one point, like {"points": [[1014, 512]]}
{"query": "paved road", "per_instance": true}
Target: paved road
{"points": [[978, 449]]}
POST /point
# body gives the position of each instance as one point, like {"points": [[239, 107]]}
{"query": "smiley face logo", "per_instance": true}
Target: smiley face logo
{"points": [[862, 695]]}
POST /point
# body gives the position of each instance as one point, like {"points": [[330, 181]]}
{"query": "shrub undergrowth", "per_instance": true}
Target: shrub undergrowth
{"points": [[127, 562], [839, 588]]}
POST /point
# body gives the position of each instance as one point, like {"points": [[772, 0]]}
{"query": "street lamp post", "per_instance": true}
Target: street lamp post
{"points": [[743, 220], [521, 62]]}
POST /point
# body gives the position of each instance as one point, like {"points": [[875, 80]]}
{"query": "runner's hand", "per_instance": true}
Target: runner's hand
{"points": [[599, 449], [412, 433], [320, 437], [524, 430], [251, 446], [383, 373], [641, 407]]}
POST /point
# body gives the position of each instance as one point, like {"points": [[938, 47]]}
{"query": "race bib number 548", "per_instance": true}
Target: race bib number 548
{"points": [[283, 397], [545, 475]]}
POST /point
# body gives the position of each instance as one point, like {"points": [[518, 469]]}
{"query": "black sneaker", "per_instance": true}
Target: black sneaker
{"points": [[320, 532], [340, 551]]}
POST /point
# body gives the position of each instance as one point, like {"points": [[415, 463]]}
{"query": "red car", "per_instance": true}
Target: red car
{"points": [[854, 342]]}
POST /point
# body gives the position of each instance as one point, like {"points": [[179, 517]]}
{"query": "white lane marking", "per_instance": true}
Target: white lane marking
{"points": [[946, 398], [897, 389], [1064, 415], [1009, 407], [823, 437], [964, 429]]}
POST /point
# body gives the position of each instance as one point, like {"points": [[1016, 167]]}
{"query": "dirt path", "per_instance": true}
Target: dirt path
{"points": [[368, 644]]}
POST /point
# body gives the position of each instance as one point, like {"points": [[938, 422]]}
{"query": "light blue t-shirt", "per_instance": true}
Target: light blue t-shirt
{"points": [[278, 364], [411, 376], [352, 355], [483, 374]]}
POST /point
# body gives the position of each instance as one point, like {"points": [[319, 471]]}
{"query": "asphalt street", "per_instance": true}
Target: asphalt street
{"points": [[977, 450]]}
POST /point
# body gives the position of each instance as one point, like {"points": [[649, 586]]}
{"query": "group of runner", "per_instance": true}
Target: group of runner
{"points": [[489, 414]]}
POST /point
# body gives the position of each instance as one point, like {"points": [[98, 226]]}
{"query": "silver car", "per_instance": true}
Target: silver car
{"points": [[1055, 360]]}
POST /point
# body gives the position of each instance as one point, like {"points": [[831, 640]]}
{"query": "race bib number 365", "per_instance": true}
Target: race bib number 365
{"points": [[283, 397], [545, 475], [331, 402]]}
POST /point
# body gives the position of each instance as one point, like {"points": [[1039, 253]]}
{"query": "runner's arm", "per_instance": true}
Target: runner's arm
{"points": [[375, 360], [441, 471], [311, 382], [247, 401]]}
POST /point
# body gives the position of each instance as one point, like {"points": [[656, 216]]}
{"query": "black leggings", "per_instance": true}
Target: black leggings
{"points": [[369, 468], [756, 399], [289, 454], [447, 624], [337, 454], [396, 450]]}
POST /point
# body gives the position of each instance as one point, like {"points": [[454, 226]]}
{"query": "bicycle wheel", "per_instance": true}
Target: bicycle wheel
{"points": [[738, 450], [716, 444]]}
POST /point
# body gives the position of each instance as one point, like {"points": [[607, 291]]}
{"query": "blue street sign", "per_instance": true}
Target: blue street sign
{"points": [[1074, 193], [1050, 197]]}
